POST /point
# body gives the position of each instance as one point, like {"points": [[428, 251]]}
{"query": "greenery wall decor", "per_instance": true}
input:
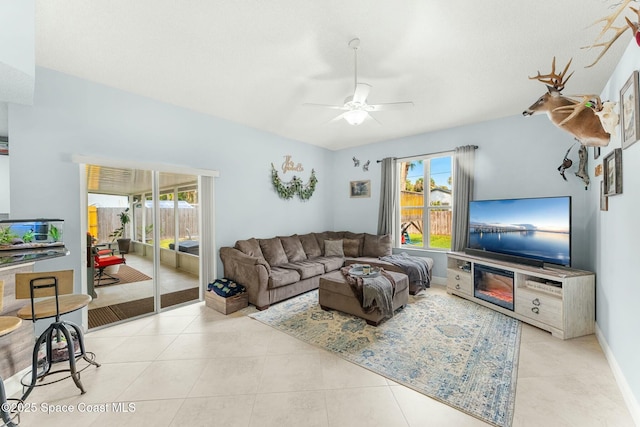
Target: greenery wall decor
{"points": [[287, 190]]}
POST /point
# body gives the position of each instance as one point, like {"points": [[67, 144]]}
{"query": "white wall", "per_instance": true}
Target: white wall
{"points": [[615, 238], [72, 116]]}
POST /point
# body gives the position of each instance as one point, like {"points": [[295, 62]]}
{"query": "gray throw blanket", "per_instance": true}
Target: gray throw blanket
{"points": [[378, 290], [373, 295], [417, 268]]}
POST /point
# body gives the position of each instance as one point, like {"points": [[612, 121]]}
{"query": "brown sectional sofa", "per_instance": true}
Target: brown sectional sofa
{"points": [[281, 267]]}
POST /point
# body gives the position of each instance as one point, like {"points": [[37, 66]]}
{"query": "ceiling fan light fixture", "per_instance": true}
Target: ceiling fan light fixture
{"points": [[355, 117]]}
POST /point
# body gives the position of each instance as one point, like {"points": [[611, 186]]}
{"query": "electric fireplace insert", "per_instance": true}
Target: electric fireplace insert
{"points": [[494, 285]]}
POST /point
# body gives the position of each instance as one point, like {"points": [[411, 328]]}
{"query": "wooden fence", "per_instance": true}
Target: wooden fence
{"points": [[412, 216], [108, 219]]}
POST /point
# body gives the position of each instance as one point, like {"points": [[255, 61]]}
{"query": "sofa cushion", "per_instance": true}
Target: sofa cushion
{"points": [[310, 245], [333, 248], [351, 247], [249, 247], [334, 235], [355, 236], [330, 263], [376, 245], [320, 238], [273, 251], [305, 269], [293, 248], [281, 277]]}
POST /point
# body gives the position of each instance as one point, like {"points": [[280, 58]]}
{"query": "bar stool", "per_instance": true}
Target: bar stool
{"points": [[8, 324], [58, 287]]}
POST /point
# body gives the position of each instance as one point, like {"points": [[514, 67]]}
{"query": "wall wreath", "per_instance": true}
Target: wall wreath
{"points": [[287, 190]]}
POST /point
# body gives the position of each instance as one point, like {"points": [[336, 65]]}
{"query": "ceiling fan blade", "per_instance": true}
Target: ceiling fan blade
{"points": [[333, 107], [390, 106], [361, 93], [337, 118]]}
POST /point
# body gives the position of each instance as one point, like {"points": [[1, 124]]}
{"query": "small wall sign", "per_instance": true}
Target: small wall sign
{"points": [[290, 165]]}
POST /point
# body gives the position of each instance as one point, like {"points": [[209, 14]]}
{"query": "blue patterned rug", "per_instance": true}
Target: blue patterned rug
{"points": [[445, 347]]}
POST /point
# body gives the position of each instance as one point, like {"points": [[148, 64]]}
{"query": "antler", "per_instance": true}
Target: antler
{"points": [[553, 79], [588, 101], [609, 20], [633, 25]]}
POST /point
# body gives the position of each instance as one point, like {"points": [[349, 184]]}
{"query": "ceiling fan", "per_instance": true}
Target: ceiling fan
{"points": [[355, 107]]}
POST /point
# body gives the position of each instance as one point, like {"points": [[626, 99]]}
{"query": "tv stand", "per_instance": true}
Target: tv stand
{"points": [[557, 299]]}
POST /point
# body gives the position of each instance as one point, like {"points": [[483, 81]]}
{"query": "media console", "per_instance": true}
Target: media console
{"points": [[557, 299]]}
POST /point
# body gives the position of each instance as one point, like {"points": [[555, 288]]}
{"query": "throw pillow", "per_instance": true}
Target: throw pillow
{"points": [[273, 251], [376, 246], [293, 248], [356, 236], [310, 245], [351, 247], [249, 247], [333, 248]]}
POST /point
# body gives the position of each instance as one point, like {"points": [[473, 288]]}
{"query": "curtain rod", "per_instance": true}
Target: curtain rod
{"points": [[421, 155]]}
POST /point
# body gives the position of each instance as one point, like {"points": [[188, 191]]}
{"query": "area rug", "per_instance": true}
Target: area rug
{"points": [[126, 274], [126, 310], [445, 347]]}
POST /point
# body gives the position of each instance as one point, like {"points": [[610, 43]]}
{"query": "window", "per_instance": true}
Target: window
{"points": [[425, 216]]}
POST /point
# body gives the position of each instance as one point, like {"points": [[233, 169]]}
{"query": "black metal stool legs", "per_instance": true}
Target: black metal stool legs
{"points": [[5, 412], [41, 367]]}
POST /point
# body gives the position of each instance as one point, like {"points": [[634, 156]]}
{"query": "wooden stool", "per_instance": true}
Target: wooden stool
{"points": [[59, 285], [8, 324]]}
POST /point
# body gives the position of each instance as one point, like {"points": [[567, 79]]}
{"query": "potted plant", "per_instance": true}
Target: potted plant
{"points": [[118, 233]]}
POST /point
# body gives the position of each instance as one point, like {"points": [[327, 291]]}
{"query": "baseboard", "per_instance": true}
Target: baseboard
{"points": [[442, 281], [13, 386], [627, 394]]}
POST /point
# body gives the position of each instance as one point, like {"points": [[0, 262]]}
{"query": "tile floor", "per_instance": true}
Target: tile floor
{"points": [[195, 367]]}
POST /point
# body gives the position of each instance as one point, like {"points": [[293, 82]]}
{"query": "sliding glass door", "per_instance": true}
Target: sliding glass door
{"points": [[179, 239], [161, 266]]}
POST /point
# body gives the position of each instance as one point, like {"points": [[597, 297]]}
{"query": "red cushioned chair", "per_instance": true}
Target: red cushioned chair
{"points": [[102, 262]]}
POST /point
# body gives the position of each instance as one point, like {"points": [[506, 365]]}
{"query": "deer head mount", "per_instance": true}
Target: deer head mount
{"points": [[576, 117], [618, 30]]}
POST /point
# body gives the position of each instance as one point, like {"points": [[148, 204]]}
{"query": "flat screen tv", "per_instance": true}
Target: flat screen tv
{"points": [[536, 229]]}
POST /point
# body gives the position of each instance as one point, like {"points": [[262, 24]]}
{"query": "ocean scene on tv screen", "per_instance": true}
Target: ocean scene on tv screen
{"points": [[536, 228]]}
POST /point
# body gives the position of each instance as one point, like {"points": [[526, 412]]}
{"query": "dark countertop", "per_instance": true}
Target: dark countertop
{"points": [[23, 256]]}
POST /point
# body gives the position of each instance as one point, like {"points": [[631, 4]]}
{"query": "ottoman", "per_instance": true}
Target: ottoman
{"points": [[335, 293]]}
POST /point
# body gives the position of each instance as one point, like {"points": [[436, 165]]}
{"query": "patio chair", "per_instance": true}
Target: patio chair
{"points": [[101, 263]]}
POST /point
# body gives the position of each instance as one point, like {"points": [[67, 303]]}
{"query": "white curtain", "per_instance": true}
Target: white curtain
{"points": [[388, 197], [463, 170]]}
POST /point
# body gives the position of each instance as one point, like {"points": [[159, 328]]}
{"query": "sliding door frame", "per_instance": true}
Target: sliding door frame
{"points": [[206, 185]]}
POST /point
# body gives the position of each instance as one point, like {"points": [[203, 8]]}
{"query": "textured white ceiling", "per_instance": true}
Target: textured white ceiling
{"points": [[256, 62]]}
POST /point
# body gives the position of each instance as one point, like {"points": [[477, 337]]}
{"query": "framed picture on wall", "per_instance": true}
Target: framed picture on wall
{"points": [[596, 152], [4, 146], [613, 173], [359, 189], [604, 200], [630, 111]]}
